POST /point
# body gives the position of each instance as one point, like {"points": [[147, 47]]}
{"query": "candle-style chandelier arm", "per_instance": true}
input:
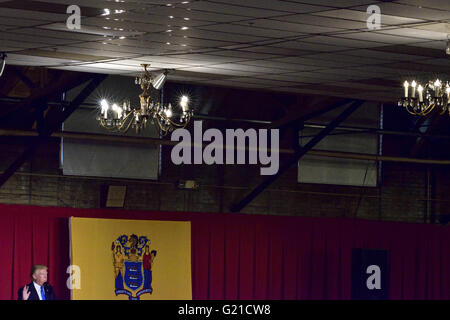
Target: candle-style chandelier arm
{"points": [[120, 128]]}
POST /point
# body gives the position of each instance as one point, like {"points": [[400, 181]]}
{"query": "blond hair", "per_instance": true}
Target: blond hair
{"points": [[37, 267]]}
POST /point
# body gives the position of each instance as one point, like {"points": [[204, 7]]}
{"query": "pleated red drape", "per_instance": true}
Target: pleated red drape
{"points": [[245, 256]]}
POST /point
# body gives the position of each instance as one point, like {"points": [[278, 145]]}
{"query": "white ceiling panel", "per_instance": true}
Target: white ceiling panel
{"points": [[231, 83], [90, 69], [12, 23], [380, 38], [232, 9], [203, 16], [250, 30], [59, 34], [438, 45], [245, 68], [27, 14], [323, 21], [411, 11], [189, 60], [345, 42], [279, 65], [299, 29], [441, 27], [362, 16], [243, 55], [275, 5], [309, 47], [432, 4], [336, 3], [214, 35], [212, 70], [422, 35], [381, 57], [263, 82]]}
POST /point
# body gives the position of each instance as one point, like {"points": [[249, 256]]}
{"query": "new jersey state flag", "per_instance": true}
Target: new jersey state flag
{"points": [[130, 259]]}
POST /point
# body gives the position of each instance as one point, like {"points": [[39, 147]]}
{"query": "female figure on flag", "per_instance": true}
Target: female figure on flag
{"points": [[147, 260], [118, 261]]}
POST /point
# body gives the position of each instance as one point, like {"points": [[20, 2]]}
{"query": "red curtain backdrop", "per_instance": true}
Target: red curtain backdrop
{"points": [[245, 256]]}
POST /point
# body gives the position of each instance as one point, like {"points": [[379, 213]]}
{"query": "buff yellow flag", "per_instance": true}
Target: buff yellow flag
{"points": [[131, 259]]}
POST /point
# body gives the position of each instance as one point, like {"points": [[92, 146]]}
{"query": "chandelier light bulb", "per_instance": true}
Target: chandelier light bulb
{"points": [[413, 85], [420, 90], [168, 112], [117, 110], [184, 102], [105, 106], [437, 88], [406, 85]]}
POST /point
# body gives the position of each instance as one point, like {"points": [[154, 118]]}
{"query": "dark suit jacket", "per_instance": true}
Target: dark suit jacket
{"points": [[48, 289]]}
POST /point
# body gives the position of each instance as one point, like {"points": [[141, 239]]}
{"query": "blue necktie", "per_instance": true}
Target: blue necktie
{"points": [[43, 293]]}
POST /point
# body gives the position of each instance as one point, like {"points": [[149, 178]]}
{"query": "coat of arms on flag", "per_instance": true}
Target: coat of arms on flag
{"points": [[132, 262]]}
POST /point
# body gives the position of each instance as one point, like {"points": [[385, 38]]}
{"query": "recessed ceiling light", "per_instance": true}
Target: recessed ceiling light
{"points": [[171, 17], [184, 28], [168, 43], [121, 38], [186, 19]]}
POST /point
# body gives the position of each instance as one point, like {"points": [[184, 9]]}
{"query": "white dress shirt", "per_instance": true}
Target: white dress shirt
{"points": [[38, 290]]}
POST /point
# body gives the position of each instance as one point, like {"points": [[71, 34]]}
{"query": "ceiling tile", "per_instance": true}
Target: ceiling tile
{"points": [[362, 16], [405, 11], [299, 29], [281, 6], [323, 21], [422, 35], [249, 30], [235, 10]]}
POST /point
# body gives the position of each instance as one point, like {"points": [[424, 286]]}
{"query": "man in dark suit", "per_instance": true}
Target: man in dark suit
{"points": [[38, 289]]}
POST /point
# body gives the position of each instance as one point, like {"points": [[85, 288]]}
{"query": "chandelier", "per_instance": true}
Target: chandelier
{"points": [[421, 100], [121, 118]]}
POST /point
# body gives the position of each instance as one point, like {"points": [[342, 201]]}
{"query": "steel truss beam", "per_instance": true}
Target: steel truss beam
{"points": [[299, 153]]}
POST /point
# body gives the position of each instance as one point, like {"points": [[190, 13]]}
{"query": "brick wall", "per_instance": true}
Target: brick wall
{"points": [[401, 196]]}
